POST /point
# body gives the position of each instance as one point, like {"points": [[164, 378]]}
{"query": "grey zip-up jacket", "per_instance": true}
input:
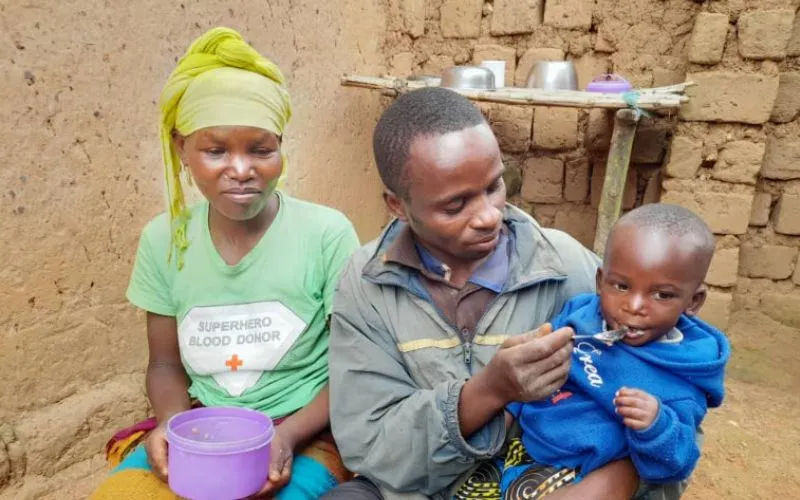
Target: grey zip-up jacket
{"points": [[397, 365]]}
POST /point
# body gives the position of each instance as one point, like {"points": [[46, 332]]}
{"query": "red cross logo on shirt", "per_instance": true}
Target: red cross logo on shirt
{"points": [[234, 363]]}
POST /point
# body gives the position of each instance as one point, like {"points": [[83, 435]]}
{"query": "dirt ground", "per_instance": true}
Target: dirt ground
{"points": [[751, 449]]}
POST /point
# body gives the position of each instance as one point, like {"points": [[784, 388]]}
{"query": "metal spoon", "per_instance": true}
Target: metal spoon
{"points": [[608, 337]]}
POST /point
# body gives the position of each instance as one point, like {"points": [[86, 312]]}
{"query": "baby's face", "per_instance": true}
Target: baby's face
{"points": [[648, 280]]}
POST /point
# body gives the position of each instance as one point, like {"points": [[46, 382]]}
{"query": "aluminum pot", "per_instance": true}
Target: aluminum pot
{"points": [[468, 78], [553, 75]]}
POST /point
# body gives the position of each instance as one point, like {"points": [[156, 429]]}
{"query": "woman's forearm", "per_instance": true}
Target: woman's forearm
{"points": [[306, 423], [168, 390]]}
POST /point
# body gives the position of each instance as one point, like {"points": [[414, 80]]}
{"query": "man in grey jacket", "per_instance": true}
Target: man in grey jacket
{"points": [[436, 324]]}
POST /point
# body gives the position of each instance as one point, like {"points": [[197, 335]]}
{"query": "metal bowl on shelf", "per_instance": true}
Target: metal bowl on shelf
{"points": [[553, 75], [468, 78]]}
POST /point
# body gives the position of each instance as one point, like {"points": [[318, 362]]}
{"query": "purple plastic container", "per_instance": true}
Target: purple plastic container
{"points": [[218, 453], [613, 84]]}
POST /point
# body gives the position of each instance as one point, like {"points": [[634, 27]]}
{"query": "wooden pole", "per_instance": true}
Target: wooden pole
{"points": [[619, 157]]}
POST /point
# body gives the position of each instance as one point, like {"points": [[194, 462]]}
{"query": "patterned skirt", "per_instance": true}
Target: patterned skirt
{"points": [[516, 477]]}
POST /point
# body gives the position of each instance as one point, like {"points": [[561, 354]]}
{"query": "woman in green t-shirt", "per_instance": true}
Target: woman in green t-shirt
{"points": [[237, 288]]}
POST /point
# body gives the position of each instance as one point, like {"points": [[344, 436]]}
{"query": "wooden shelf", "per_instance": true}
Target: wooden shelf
{"points": [[655, 99], [626, 119]]}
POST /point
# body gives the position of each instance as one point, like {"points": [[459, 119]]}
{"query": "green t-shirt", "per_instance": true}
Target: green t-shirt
{"points": [[253, 334]]}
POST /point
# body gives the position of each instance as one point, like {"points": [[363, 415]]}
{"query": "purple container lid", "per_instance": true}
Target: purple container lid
{"points": [[609, 83], [219, 430]]}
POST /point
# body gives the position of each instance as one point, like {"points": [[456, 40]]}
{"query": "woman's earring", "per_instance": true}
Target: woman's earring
{"points": [[186, 172]]}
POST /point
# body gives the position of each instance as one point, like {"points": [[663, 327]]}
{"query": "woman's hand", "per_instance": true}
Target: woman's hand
{"points": [[167, 386], [296, 431], [156, 447], [280, 467]]}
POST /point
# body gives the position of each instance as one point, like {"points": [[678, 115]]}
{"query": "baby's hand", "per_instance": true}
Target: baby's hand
{"points": [[638, 409]]}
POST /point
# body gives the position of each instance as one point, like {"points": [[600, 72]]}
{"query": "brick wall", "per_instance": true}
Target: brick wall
{"points": [[732, 153]]}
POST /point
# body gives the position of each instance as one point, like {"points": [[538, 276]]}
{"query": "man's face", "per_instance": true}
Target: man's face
{"points": [[648, 280], [456, 194]]}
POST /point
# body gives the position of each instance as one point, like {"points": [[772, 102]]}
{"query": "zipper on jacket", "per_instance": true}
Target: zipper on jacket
{"points": [[468, 355]]}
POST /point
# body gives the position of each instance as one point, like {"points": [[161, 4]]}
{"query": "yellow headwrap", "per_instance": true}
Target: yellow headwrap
{"points": [[220, 81]]}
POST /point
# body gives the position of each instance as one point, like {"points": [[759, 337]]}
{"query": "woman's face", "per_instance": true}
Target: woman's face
{"points": [[235, 168]]}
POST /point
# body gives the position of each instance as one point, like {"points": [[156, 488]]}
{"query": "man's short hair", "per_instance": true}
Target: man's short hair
{"points": [[425, 112], [673, 220]]}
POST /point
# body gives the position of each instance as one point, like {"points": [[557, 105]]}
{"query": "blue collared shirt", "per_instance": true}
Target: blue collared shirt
{"points": [[492, 274]]}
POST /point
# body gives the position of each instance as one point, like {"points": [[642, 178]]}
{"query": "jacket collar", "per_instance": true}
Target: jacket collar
{"points": [[533, 258]]}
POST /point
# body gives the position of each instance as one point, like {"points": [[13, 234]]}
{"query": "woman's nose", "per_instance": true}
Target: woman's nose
{"points": [[240, 168]]}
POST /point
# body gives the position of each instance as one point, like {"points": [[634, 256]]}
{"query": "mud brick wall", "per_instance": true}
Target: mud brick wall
{"points": [[732, 153], [555, 157]]}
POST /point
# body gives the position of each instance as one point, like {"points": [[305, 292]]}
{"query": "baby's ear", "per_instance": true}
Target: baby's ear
{"points": [[598, 279], [698, 299]]}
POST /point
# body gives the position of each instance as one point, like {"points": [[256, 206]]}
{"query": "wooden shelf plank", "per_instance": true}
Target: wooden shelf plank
{"points": [[662, 98]]}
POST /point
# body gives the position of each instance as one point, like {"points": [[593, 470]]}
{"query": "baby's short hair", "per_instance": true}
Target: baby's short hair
{"points": [[673, 220]]}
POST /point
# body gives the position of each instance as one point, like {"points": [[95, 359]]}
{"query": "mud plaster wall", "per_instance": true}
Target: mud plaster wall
{"points": [[80, 175], [732, 154]]}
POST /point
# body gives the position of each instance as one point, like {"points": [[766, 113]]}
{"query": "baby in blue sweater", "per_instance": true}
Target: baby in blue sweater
{"points": [[645, 396]]}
